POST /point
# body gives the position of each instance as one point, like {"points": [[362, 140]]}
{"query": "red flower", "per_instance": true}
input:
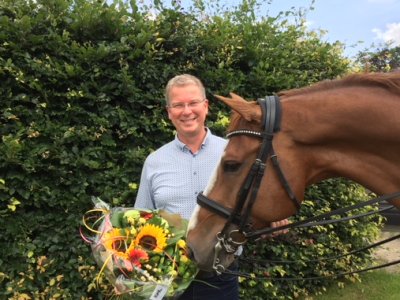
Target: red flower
{"points": [[146, 215], [137, 256]]}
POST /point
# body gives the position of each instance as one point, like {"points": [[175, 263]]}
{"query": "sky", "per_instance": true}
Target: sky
{"points": [[359, 24]]}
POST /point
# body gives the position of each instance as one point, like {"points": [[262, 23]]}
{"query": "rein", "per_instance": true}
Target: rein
{"points": [[275, 262], [321, 220], [283, 262], [312, 221], [242, 274]]}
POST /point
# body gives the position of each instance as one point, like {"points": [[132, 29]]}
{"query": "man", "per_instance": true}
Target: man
{"points": [[174, 174]]}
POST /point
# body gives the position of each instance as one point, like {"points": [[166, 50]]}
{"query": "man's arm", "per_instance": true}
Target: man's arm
{"points": [[144, 197]]}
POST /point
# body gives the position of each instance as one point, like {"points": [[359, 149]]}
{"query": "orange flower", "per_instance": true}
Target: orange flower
{"points": [[137, 256], [115, 241]]}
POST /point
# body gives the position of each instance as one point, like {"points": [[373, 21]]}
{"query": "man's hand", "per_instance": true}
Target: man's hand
{"points": [[276, 233], [278, 224]]}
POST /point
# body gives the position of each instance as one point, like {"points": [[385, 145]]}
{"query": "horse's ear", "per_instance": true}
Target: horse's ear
{"points": [[246, 109]]}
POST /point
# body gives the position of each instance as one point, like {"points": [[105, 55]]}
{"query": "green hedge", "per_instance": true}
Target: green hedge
{"points": [[81, 88], [304, 246]]}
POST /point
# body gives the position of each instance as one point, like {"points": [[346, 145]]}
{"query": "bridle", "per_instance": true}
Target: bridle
{"points": [[230, 240]]}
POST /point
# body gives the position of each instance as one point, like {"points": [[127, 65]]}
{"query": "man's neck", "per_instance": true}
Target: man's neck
{"points": [[193, 142]]}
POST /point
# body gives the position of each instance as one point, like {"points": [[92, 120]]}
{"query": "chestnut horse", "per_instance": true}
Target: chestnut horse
{"points": [[348, 128]]}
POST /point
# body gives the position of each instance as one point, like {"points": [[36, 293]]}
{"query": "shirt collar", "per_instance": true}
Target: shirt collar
{"points": [[183, 146]]}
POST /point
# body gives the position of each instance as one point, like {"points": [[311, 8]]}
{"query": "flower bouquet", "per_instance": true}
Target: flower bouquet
{"points": [[141, 252]]}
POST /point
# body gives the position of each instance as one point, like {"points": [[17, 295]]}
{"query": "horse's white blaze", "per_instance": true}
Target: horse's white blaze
{"points": [[194, 217], [212, 179]]}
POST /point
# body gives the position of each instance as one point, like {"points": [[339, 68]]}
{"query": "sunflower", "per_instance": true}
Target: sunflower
{"points": [[151, 237], [115, 241]]}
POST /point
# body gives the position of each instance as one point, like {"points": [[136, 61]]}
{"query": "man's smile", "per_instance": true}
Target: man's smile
{"points": [[189, 120]]}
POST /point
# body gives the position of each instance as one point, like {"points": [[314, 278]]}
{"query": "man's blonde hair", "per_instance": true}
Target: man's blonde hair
{"points": [[183, 80]]}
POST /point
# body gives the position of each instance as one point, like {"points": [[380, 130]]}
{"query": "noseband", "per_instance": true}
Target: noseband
{"points": [[230, 240]]}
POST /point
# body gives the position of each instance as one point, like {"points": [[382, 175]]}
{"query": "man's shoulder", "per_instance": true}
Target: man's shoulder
{"points": [[162, 154], [164, 149]]}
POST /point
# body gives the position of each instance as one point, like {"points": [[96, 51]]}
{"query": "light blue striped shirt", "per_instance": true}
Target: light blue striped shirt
{"points": [[172, 176]]}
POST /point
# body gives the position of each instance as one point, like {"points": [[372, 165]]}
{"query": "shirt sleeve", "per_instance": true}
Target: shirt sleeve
{"points": [[144, 197]]}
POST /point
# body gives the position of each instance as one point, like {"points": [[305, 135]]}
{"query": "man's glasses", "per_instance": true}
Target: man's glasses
{"points": [[181, 106]]}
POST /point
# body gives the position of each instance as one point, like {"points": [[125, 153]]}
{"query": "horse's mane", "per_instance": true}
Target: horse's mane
{"points": [[390, 81]]}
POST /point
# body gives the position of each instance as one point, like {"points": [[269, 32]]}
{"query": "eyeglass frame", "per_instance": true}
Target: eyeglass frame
{"points": [[181, 106]]}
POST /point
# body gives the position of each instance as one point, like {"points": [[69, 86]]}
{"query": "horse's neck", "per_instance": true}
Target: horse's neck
{"points": [[350, 134]]}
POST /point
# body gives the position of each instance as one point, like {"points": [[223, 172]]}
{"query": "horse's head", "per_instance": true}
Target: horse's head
{"points": [[341, 128], [246, 192]]}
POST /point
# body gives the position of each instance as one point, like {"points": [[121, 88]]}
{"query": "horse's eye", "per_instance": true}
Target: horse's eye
{"points": [[231, 166]]}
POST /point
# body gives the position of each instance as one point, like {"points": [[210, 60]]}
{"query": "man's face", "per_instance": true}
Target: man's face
{"points": [[187, 110]]}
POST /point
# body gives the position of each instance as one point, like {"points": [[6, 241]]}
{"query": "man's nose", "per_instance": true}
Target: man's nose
{"points": [[187, 108]]}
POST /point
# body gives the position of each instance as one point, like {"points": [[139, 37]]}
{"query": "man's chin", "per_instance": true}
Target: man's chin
{"points": [[191, 129]]}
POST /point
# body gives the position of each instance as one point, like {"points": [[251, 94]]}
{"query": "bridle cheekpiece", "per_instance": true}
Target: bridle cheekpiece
{"points": [[230, 240]]}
